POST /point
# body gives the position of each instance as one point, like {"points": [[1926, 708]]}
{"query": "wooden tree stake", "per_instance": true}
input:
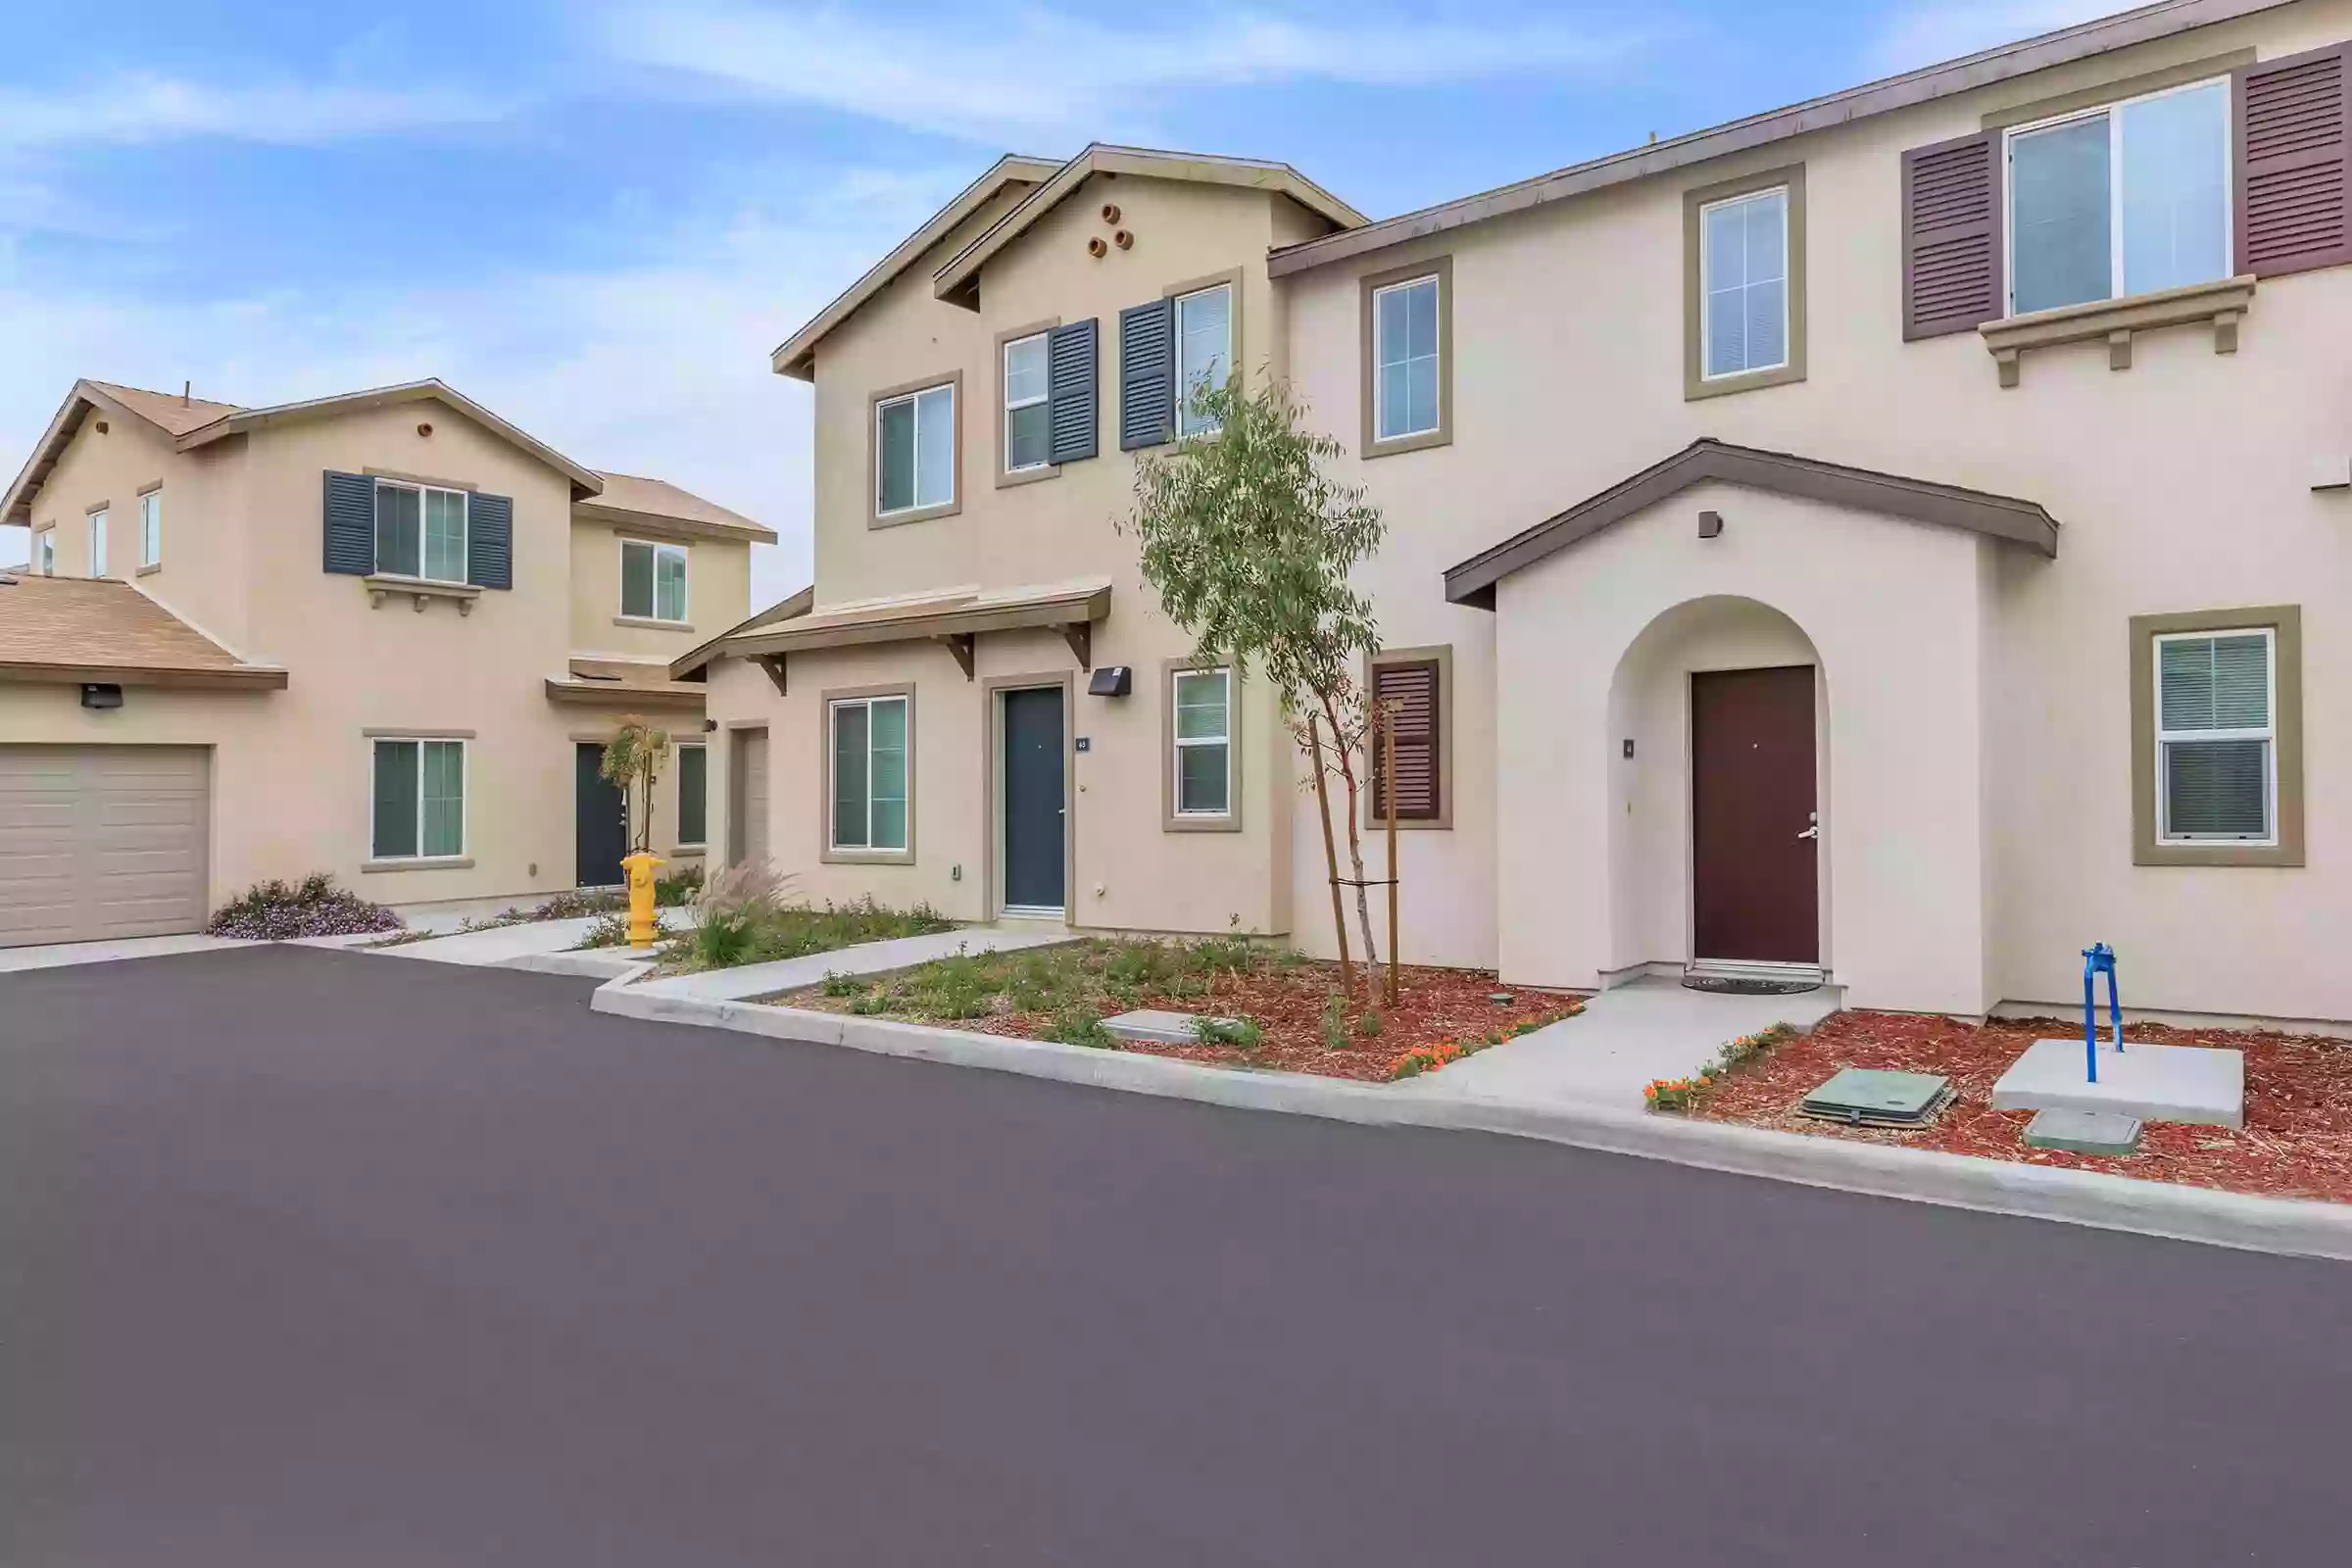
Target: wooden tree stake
{"points": [[1388, 751], [1331, 857]]}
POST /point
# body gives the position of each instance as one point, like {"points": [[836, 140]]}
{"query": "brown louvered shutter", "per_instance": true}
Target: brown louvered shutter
{"points": [[1411, 689], [1951, 235], [2294, 140]]}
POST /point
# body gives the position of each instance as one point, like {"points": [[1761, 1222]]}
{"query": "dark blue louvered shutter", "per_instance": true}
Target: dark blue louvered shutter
{"points": [[490, 541], [1147, 374], [1072, 397], [350, 523]]}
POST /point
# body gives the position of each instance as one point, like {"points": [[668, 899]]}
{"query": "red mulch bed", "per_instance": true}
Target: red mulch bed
{"points": [[2297, 1140], [1287, 1003]]}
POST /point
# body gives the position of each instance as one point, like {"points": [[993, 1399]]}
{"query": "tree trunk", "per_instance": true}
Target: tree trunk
{"points": [[1356, 839], [1331, 855]]}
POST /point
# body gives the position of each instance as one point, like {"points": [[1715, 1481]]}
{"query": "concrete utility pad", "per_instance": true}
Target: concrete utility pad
{"points": [[1881, 1098], [1157, 1025], [2084, 1132], [2194, 1084]]}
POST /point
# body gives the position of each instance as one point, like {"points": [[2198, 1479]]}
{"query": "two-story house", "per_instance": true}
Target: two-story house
{"points": [[1900, 539], [383, 635], [973, 708]]}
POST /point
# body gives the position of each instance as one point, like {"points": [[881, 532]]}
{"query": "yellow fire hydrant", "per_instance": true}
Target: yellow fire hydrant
{"points": [[640, 868]]}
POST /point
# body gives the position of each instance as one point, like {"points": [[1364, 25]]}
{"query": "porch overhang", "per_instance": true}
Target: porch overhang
{"points": [[2004, 518], [954, 619]]}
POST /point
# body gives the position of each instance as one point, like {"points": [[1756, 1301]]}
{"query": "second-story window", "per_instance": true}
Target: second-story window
{"points": [[652, 581], [419, 531], [1404, 355], [914, 451], [2126, 199], [151, 528], [1743, 279], [1028, 417], [1203, 351], [45, 552], [98, 544]]}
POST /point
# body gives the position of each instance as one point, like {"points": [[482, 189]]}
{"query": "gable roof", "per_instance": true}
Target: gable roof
{"points": [[1924, 85], [174, 415], [628, 496], [796, 355], [585, 481], [2021, 523], [955, 281], [72, 629]]}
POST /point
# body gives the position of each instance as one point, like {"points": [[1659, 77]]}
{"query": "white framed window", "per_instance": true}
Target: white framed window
{"points": [[98, 544], [419, 531], [151, 528], [1404, 358], [693, 794], [652, 581], [2217, 752], [1028, 418], [417, 809], [2124, 199], [45, 552], [868, 737], [914, 451], [1203, 351], [1203, 717], [1743, 283]]}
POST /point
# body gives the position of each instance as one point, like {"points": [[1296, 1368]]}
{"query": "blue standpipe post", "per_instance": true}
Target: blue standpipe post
{"points": [[2099, 958]]}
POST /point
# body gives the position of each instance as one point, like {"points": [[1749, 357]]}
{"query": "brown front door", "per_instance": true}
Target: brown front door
{"points": [[1755, 883]]}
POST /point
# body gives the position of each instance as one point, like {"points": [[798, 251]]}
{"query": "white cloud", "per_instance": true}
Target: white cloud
{"points": [[978, 73], [657, 368], [145, 108], [1929, 34]]}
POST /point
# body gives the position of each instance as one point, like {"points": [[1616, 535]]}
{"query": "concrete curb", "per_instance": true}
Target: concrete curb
{"points": [[2291, 1227]]}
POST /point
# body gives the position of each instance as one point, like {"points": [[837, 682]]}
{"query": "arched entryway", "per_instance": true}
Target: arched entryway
{"points": [[1718, 719]]}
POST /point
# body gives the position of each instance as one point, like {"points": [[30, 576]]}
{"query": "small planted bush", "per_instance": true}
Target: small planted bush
{"points": [[281, 912], [722, 941], [1238, 1033], [1080, 1026], [612, 930]]}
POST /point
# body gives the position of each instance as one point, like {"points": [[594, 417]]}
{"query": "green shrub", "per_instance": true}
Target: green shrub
{"points": [[613, 930], [841, 985], [1334, 1023], [722, 941], [278, 912], [1139, 963], [876, 1001], [1238, 1033], [679, 887], [1080, 1026], [1222, 956], [1370, 1025]]}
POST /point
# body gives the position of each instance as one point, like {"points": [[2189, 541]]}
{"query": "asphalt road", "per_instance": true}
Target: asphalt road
{"points": [[341, 1260]]}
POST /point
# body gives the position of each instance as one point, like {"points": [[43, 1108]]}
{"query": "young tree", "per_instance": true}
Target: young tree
{"points": [[1249, 545], [633, 760]]}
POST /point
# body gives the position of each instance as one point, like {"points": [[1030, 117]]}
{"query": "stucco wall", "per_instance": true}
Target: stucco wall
{"points": [[2181, 484]]}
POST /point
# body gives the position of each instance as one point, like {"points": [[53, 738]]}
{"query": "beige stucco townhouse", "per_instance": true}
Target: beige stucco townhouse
{"points": [[1905, 537], [382, 635]]}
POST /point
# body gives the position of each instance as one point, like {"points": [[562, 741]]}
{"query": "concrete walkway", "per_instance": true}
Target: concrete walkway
{"points": [[871, 957], [1624, 1040], [501, 946], [65, 955]]}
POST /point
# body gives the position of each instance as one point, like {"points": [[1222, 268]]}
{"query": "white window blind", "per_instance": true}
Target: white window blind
{"points": [[1743, 265], [2216, 744]]}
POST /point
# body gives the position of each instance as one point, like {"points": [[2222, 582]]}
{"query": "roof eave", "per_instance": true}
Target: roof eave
{"points": [[585, 481], [790, 608], [236, 677], [746, 532], [2024, 523], [1924, 86]]}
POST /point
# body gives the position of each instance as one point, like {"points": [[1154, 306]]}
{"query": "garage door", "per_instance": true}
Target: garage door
{"points": [[100, 842]]}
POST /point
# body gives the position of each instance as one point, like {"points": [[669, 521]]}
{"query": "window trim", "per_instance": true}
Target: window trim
{"points": [[652, 616], [876, 517], [826, 702], [679, 794], [1696, 384], [2284, 623], [2110, 104], [151, 515], [1440, 654], [1374, 445], [1006, 477], [97, 541], [419, 739], [422, 487], [1176, 294], [1171, 754]]}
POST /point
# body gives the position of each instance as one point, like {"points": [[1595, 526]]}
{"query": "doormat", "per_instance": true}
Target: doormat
{"points": [[1737, 986], [1865, 1098]]}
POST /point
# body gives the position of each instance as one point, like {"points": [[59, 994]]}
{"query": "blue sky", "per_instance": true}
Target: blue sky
{"points": [[598, 216]]}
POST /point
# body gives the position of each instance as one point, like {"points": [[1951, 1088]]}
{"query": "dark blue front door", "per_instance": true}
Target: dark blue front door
{"points": [[1033, 799], [601, 823]]}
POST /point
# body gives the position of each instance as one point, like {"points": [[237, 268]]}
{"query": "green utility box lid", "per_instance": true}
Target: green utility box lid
{"points": [[1869, 1096]]}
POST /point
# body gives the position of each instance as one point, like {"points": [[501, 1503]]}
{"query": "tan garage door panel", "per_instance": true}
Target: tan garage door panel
{"points": [[101, 842]]}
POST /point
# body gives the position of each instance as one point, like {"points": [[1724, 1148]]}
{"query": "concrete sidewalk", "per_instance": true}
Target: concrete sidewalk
{"points": [[871, 958], [66, 954], [1624, 1040], [501, 947]]}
